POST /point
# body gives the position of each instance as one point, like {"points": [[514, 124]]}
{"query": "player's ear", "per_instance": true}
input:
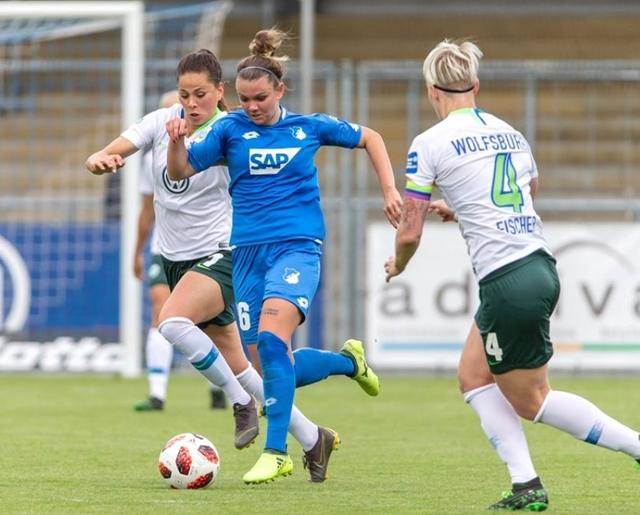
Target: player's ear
{"points": [[476, 86], [432, 92]]}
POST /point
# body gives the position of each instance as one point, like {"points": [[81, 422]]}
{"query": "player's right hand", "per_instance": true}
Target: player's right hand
{"points": [[100, 163], [176, 129]]}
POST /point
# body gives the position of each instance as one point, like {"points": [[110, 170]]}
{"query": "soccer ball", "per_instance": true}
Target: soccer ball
{"points": [[189, 460]]}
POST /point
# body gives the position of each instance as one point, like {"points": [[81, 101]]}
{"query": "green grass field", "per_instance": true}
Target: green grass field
{"points": [[74, 445]]}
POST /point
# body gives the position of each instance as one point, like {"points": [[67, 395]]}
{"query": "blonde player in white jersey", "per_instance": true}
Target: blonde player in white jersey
{"points": [[485, 171], [193, 222]]}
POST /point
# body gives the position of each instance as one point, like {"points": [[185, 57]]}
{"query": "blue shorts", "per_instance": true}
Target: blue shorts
{"points": [[287, 270]]}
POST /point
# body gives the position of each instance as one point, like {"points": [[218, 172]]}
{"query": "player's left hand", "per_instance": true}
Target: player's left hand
{"points": [[390, 269], [393, 206]]}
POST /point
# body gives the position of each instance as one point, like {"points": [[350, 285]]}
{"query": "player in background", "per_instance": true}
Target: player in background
{"points": [[158, 351], [278, 225], [193, 219], [486, 173]]}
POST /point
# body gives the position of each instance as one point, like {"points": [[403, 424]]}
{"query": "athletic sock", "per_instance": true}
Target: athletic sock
{"points": [[203, 355], [159, 354], [279, 388], [502, 426], [313, 365], [300, 427], [585, 421]]}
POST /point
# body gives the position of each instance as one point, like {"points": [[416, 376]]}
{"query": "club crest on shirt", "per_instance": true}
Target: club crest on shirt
{"points": [[291, 276], [176, 187], [250, 135], [298, 133]]}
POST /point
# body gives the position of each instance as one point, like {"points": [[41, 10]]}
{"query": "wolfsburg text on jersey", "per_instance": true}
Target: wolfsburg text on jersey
{"points": [[500, 141]]}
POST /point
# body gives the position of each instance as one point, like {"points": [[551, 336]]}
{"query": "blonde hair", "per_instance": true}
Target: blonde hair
{"points": [[452, 63], [263, 60], [169, 98]]}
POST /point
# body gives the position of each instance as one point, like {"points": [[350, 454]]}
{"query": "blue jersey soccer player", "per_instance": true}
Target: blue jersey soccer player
{"points": [[278, 225]]}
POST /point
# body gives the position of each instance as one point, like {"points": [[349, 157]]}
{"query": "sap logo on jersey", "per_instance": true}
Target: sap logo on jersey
{"points": [[269, 161]]}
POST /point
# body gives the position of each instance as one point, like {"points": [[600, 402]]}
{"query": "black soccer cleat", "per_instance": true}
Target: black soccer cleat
{"points": [[529, 496], [247, 427], [150, 404], [316, 459]]}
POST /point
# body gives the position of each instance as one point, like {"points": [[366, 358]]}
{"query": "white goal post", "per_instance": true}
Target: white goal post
{"points": [[129, 15]]}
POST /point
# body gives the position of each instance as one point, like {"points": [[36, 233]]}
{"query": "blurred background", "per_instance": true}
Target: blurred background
{"points": [[73, 75]]}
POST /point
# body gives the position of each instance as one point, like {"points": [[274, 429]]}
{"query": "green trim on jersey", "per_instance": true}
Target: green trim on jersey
{"points": [[208, 123], [470, 111]]}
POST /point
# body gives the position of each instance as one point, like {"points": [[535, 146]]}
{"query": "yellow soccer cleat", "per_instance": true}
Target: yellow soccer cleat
{"points": [[364, 376], [268, 467]]}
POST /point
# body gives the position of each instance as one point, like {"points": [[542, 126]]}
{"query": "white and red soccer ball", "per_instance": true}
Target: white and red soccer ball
{"points": [[189, 460]]}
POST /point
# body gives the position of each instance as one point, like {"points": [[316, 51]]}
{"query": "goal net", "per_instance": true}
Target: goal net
{"points": [[72, 76]]}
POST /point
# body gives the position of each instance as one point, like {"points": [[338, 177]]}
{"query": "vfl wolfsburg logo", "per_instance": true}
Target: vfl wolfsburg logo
{"points": [[176, 187]]}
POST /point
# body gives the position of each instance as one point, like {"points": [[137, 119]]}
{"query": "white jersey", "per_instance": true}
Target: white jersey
{"points": [[146, 188], [483, 167], [193, 216]]}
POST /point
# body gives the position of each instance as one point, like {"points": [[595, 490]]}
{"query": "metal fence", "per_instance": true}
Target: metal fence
{"points": [[581, 118]]}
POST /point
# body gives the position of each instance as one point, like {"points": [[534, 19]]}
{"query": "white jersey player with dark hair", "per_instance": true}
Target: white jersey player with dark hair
{"points": [[486, 173], [193, 220], [158, 351]]}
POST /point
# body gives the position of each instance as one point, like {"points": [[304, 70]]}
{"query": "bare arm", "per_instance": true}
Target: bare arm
{"points": [[408, 235], [178, 166], [145, 221], [111, 157], [373, 143]]}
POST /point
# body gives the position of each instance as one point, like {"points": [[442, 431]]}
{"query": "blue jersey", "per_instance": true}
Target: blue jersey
{"points": [[274, 181]]}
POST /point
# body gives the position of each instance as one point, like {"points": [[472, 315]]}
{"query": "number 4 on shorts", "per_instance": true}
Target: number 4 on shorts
{"points": [[492, 348]]}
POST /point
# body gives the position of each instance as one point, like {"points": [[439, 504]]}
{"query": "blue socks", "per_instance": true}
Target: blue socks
{"points": [[313, 365], [279, 388]]}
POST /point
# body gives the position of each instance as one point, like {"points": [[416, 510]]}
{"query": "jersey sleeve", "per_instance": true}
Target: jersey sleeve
{"points": [[141, 133], [419, 173], [146, 177], [335, 132], [208, 148]]}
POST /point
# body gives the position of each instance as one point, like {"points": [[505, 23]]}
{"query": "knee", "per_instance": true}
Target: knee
{"points": [[174, 328], [270, 347], [526, 406], [469, 379], [274, 356]]}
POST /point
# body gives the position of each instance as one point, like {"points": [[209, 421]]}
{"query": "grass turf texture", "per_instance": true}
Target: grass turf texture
{"points": [[74, 444]]}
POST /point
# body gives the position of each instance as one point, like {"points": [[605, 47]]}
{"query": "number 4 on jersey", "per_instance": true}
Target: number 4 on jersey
{"points": [[505, 191], [492, 348]]}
